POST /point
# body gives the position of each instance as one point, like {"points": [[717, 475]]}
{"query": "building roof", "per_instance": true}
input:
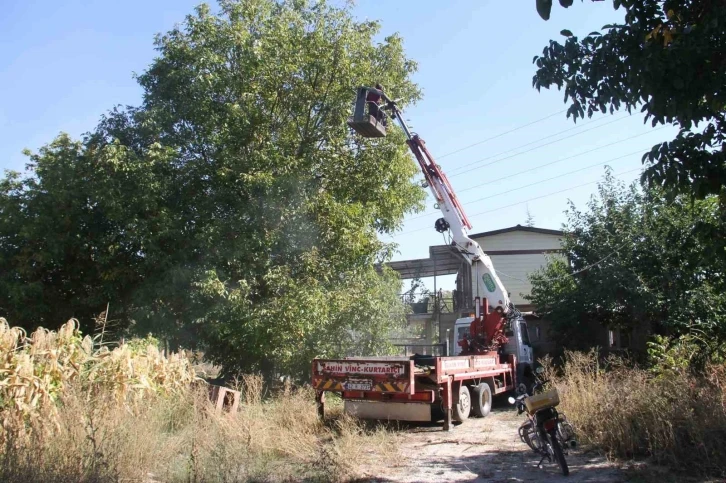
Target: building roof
{"points": [[531, 229], [446, 260], [443, 260]]}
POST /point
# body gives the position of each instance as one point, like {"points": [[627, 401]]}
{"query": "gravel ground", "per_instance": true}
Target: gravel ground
{"points": [[484, 450]]}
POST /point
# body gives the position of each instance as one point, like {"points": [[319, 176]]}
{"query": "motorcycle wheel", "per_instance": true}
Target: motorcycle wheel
{"points": [[559, 455], [565, 434], [526, 432]]}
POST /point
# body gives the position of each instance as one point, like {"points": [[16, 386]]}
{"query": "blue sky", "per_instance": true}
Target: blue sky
{"points": [[66, 63]]}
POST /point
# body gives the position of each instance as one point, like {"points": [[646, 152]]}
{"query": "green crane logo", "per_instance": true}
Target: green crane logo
{"points": [[489, 282]]}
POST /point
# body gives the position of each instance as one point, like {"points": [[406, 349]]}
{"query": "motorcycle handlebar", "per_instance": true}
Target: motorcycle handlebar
{"points": [[519, 401], [539, 383]]}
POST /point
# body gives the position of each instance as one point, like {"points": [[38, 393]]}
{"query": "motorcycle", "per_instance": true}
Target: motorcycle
{"points": [[546, 431]]}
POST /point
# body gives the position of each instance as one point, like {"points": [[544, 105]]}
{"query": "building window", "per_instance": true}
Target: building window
{"points": [[618, 339], [525, 333], [624, 339]]}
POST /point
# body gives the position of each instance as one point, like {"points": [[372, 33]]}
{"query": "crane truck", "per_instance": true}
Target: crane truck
{"points": [[491, 355]]}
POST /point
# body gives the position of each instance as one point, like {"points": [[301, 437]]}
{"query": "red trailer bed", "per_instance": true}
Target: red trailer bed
{"points": [[408, 388]]}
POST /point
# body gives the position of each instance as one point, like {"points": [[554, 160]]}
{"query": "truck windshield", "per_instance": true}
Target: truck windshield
{"points": [[462, 332], [525, 333]]}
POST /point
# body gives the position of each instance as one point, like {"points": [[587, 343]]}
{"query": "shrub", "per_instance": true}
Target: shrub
{"points": [[678, 420], [682, 353]]}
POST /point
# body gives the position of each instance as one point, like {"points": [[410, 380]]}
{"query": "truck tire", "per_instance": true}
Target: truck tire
{"points": [[482, 400], [462, 405]]}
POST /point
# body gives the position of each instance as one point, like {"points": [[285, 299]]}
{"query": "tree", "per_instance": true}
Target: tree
{"points": [[544, 7], [64, 250], [636, 260], [668, 58], [233, 207], [529, 221]]}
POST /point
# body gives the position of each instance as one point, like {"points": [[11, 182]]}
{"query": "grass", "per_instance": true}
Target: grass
{"points": [[676, 419], [135, 414], [184, 439], [72, 410]]}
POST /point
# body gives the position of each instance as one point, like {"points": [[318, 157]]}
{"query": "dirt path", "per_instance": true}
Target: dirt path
{"points": [[484, 451]]}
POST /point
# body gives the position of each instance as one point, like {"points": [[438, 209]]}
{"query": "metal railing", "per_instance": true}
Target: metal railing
{"points": [[430, 302], [423, 349]]}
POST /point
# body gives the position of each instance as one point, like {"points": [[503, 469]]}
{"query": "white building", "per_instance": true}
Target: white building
{"points": [[515, 252]]}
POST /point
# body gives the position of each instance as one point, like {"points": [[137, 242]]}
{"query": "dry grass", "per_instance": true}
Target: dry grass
{"points": [[678, 420], [183, 439], [164, 430]]}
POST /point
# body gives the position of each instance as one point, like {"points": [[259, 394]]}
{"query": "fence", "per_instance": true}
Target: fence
{"points": [[423, 349], [430, 302]]}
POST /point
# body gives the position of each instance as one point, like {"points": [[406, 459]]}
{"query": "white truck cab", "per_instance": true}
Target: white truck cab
{"points": [[518, 343]]}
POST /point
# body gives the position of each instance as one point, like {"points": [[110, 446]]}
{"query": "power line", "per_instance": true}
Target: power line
{"points": [[555, 177], [531, 149], [501, 134], [528, 200], [535, 183], [554, 193], [550, 164], [531, 142], [565, 159], [511, 276]]}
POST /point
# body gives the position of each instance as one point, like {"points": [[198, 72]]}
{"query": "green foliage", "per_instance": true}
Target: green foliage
{"points": [[668, 355], [233, 208], [313, 319], [553, 293], [139, 345], [544, 7], [637, 262], [666, 58]]}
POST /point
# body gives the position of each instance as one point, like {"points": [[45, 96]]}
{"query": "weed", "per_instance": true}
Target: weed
{"points": [[678, 420]]}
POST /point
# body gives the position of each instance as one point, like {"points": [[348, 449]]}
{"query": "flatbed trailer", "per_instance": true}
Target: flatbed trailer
{"points": [[415, 388]]}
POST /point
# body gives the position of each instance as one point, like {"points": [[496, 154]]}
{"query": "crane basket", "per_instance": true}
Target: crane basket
{"points": [[368, 117]]}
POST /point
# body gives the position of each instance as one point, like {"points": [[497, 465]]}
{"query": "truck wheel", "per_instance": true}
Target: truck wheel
{"points": [[462, 405], [482, 403]]}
